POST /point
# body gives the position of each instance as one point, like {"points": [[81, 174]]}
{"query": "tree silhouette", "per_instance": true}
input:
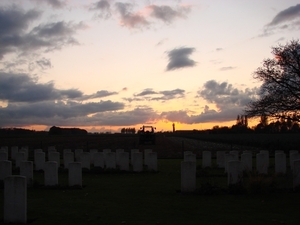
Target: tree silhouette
{"points": [[280, 91]]}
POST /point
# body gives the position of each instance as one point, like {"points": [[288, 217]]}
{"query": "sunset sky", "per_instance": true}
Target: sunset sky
{"points": [[104, 65]]}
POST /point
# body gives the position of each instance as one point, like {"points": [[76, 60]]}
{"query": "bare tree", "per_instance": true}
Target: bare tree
{"points": [[280, 91]]}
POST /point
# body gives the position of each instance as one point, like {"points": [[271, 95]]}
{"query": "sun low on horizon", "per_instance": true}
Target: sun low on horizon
{"points": [[103, 65]]}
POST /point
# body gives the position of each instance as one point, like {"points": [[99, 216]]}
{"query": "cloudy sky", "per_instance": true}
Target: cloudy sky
{"points": [[103, 65]]}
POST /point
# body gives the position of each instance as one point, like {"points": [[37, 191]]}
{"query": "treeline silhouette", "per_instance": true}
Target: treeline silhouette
{"points": [[128, 130], [66, 131]]}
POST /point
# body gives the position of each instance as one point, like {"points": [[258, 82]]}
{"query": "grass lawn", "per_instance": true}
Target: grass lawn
{"points": [[154, 198]]}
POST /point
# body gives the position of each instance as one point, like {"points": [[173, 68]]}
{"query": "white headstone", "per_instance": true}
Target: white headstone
{"points": [[39, 160], [268, 156], [67, 150], [235, 153], [50, 151], [296, 174], [20, 156], [137, 162], [188, 176], [133, 151], [68, 158], [246, 161], [229, 157], [26, 170], [77, 154], [55, 157], [99, 159], [118, 151], [185, 153], [5, 169], [75, 174], [152, 161], [124, 161], [15, 200], [25, 150], [146, 151], [110, 160], [280, 163], [221, 159], [3, 156], [85, 159], [262, 163], [235, 172], [93, 151], [294, 156], [14, 150], [51, 173], [206, 159]]}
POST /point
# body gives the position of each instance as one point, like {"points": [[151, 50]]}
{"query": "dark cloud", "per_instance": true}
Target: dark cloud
{"points": [[179, 58], [60, 113], [147, 91], [98, 94], [23, 88], [286, 15], [53, 3], [227, 68], [103, 9], [167, 14], [149, 94], [44, 63], [219, 49], [287, 19], [15, 36], [130, 19]]}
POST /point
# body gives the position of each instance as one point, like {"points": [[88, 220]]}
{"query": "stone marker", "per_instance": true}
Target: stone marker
{"points": [[99, 159], [68, 158], [235, 153], [280, 163], [5, 169], [85, 159], [75, 174], [15, 200], [20, 156], [133, 151], [185, 153], [3, 156], [51, 173], [235, 172], [25, 151], [110, 160], [206, 159], [67, 150], [77, 154], [118, 151], [229, 157], [93, 151], [188, 176], [246, 162], [39, 160], [124, 161], [268, 156], [14, 150], [26, 170], [221, 159], [137, 162], [152, 161], [294, 156], [55, 157], [262, 163], [296, 174], [146, 151], [190, 157]]}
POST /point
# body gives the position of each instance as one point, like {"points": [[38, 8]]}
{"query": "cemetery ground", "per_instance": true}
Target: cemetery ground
{"points": [[113, 197]]}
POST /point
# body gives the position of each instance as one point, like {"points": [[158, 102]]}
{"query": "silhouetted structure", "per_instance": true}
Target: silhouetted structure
{"points": [[66, 131]]}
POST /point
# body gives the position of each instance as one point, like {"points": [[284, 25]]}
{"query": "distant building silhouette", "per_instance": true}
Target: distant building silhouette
{"points": [[173, 127]]}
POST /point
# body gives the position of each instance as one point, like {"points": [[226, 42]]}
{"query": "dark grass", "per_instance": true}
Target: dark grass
{"points": [[155, 198]]}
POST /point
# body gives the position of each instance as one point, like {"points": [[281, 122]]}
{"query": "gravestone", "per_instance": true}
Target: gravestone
{"points": [[137, 162], [206, 159], [280, 163], [26, 170], [51, 173], [152, 161], [294, 156], [124, 161], [246, 162], [15, 200], [188, 176], [235, 153], [296, 174], [39, 160], [235, 172], [20, 156], [99, 159], [221, 159], [14, 150], [3, 156], [110, 160], [75, 174], [268, 156], [146, 151], [78, 151], [118, 152], [68, 158], [50, 151], [190, 157], [262, 163], [133, 151], [25, 151], [229, 157], [85, 159], [5, 169], [55, 157], [93, 151]]}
